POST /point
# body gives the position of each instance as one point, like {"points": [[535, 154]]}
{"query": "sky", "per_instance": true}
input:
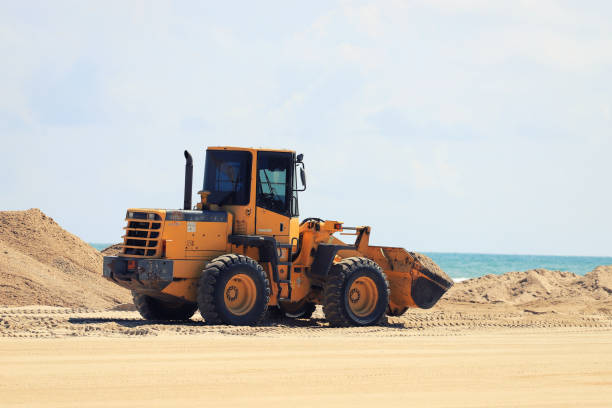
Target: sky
{"points": [[449, 126]]}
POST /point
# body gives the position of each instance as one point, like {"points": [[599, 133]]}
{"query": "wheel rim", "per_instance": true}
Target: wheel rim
{"points": [[362, 296], [240, 294]]}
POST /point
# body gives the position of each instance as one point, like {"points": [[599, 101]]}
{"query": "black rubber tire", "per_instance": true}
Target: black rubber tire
{"points": [[302, 310], [211, 287], [400, 313], [151, 308], [274, 313], [336, 296]]}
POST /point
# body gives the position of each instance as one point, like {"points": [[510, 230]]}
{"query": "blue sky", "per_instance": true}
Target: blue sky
{"points": [[463, 126]]}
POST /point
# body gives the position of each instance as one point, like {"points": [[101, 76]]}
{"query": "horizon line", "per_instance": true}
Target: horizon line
{"points": [[454, 252]]}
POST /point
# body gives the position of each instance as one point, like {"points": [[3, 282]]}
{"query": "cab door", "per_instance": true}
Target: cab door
{"points": [[274, 194]]}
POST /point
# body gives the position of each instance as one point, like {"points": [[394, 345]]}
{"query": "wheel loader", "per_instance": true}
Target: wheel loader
{"points": [[241, 252]]}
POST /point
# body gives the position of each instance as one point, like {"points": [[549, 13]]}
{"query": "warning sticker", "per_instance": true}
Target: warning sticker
{"points": [[191, 226]]}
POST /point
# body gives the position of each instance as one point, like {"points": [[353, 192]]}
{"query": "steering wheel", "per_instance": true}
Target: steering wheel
{"points": [[312, 219], [268, 200]]}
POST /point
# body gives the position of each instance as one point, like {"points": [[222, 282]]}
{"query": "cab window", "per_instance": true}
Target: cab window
{"points": [[275, 181], [227, 176]]}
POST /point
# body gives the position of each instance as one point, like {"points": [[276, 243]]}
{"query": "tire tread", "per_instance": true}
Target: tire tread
{"points": [[333, 296], [209, 278], [154, 309]]}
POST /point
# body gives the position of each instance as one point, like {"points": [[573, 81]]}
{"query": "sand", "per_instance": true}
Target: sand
{"points": [[43, 264], [70, 338], [536, 286], [487, 356], [501, 368], [112, 250]]}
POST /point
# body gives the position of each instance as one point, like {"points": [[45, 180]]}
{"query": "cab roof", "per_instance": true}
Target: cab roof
{"points": [[249, 149]]}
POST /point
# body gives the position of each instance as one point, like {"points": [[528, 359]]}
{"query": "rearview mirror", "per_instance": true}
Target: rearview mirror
{"points": [[303, 177]]}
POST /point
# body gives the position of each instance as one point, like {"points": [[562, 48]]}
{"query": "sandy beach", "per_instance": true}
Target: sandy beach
{"points": [[274, 366], [61, 357]]}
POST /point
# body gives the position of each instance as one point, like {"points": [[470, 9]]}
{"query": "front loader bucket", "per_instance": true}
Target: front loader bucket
{"points": [[415, 280]]}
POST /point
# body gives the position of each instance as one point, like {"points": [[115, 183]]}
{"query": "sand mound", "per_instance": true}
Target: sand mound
{"points": [[536, 287], [598, 282], [112, 250], [41, 263]]}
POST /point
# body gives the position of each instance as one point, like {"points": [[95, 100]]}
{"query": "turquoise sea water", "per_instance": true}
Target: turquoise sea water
{"points": [[99, 246], [464, 266], [461, 266]]}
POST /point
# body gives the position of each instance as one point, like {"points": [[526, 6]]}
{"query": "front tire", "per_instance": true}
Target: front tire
{"points": [[151, 308], [233, 289], [356, 293]]}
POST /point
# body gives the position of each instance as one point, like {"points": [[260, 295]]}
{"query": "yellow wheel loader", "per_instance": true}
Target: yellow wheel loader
{"points": [[242, 251]]}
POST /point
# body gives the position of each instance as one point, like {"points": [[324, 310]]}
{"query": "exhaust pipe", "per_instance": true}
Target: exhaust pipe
{"points": [[188, 180]]}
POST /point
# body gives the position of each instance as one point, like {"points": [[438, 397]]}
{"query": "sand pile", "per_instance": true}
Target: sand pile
{"points": [[41, 263], [598, 282], [536, 287], [112, 250]]}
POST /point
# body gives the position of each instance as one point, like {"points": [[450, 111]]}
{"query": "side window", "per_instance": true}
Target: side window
{"points": [[228, 176], [274, 181]]}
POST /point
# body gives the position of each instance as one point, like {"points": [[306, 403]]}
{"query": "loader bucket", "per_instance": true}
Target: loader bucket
{"points": [[415, 280]]}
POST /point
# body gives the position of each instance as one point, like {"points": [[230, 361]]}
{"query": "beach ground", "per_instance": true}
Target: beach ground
{"points": [[56, 357]]}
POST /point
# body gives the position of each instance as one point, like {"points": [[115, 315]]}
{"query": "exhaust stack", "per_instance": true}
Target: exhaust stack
{"points": [[188, 180]]}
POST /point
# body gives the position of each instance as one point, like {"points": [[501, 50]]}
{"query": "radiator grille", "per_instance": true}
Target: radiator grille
{"points": [[142, 234]]}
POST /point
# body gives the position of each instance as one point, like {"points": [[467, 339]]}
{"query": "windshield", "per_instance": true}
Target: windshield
{"points": [[227, 177]]}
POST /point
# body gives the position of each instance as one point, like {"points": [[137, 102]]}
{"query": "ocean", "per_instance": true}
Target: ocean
{"points": [[461, 266]]}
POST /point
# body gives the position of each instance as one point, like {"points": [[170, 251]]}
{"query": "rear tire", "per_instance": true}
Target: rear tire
{"points": [[233, 289], [151, 308], [356, 293]]}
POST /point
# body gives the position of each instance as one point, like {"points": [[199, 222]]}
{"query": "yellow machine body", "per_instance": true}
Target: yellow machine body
{"points": [[168, 249]]}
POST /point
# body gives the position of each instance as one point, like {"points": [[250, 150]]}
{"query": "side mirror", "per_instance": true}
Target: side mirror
{"points": [[303, 177]]}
